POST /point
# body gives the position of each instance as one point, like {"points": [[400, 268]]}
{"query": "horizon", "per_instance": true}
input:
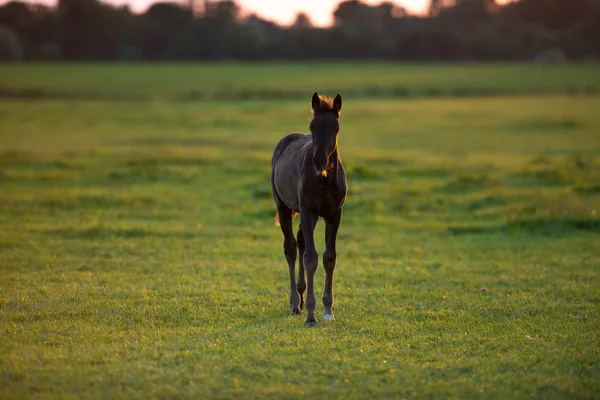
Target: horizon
{"points": [[320, 12]]}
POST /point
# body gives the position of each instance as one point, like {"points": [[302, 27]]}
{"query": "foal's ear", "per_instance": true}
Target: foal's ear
{"points": [[316, 102], [337, 103]]}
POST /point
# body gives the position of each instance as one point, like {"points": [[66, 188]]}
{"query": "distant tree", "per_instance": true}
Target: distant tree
{"points": [[168, 13], [10, 48], [160, 26], [383, 15], [16, 15], [34, 24], [301, 41], [467, 12], [42, 35], [48, 51], [435, 6], [352, 13], [302, 21], [224, 11], [78, 20]]}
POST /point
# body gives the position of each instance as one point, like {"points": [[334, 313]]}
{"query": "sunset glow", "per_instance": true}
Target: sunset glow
{"points": [[282, 12]]}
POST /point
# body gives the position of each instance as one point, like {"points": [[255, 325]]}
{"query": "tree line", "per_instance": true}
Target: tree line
{"points": [[453, 30]]}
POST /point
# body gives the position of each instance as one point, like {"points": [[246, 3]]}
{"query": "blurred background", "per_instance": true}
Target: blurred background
{"points": [[409, 30]]}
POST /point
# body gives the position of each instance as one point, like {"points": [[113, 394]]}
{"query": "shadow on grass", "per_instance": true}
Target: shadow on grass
{"points": [[425, 173], [182, 142], [18, 158], [361, 172], [533, 226], [248, 93], [486, 202], [586, 189], [464, 183], [94, 202], [165, 175], [545, 124], [545, 178], [103, 232]]}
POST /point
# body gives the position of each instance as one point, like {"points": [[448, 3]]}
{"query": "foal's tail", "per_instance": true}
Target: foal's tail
{"points": [[294, 213]]}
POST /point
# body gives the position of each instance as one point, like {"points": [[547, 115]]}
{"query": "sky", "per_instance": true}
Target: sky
{"points": [[280, 11]]}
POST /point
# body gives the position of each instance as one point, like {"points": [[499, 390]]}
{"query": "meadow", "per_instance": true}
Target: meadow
{"points": [[139, 257], [276, 81]]}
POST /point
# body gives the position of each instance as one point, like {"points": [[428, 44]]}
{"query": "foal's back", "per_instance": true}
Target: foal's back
{"points": [[290, 144]]}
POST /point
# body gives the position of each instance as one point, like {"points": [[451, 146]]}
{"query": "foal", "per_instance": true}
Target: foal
{"points": [[308, 177]]}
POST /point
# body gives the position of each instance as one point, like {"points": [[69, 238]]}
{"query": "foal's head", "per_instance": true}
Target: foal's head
{"points": [[324, 129]]}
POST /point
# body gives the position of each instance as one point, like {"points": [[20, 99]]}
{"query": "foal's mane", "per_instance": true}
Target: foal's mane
{"points": [[326, 104]]}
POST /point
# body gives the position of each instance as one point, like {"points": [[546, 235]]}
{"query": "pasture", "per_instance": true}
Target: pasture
{"points": [[139, 257]]}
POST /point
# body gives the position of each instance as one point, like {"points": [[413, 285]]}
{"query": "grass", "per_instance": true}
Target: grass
{"points": [[229, 81], [140, 259]]}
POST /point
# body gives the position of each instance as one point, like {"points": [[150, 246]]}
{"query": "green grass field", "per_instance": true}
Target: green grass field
{"points": [[231, 81], [139, 256]]}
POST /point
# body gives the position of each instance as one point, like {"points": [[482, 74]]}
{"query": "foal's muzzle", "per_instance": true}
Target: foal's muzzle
{"points": [[320, 164]]}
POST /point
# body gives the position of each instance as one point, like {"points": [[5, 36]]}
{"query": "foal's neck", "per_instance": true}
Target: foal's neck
{"points": [[333, 162], [334, 159]]}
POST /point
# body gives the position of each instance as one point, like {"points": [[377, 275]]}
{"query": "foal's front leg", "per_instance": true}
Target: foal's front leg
{"points": [[311, 259], [329, 259]]}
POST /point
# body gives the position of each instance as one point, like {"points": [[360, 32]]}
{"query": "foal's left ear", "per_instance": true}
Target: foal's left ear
{"points": [[337, 103]]}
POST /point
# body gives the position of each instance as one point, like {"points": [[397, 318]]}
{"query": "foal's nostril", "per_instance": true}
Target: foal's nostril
{"points": [[321, 169], [320, 163]]}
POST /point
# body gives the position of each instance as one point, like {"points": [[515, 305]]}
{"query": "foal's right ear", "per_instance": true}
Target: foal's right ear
{"points": [[316, 102]]}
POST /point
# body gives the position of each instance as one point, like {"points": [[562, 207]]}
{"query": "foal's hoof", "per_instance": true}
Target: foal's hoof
{"points": [[329, 317], [310, 324], [296, 311]]}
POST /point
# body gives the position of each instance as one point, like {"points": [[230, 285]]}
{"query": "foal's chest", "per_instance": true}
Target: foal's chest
{"points": [[327, 197]]}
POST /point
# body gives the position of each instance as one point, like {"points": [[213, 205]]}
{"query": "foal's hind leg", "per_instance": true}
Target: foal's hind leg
{"points": [[290, 251], [329, 259], [301, 283]]}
